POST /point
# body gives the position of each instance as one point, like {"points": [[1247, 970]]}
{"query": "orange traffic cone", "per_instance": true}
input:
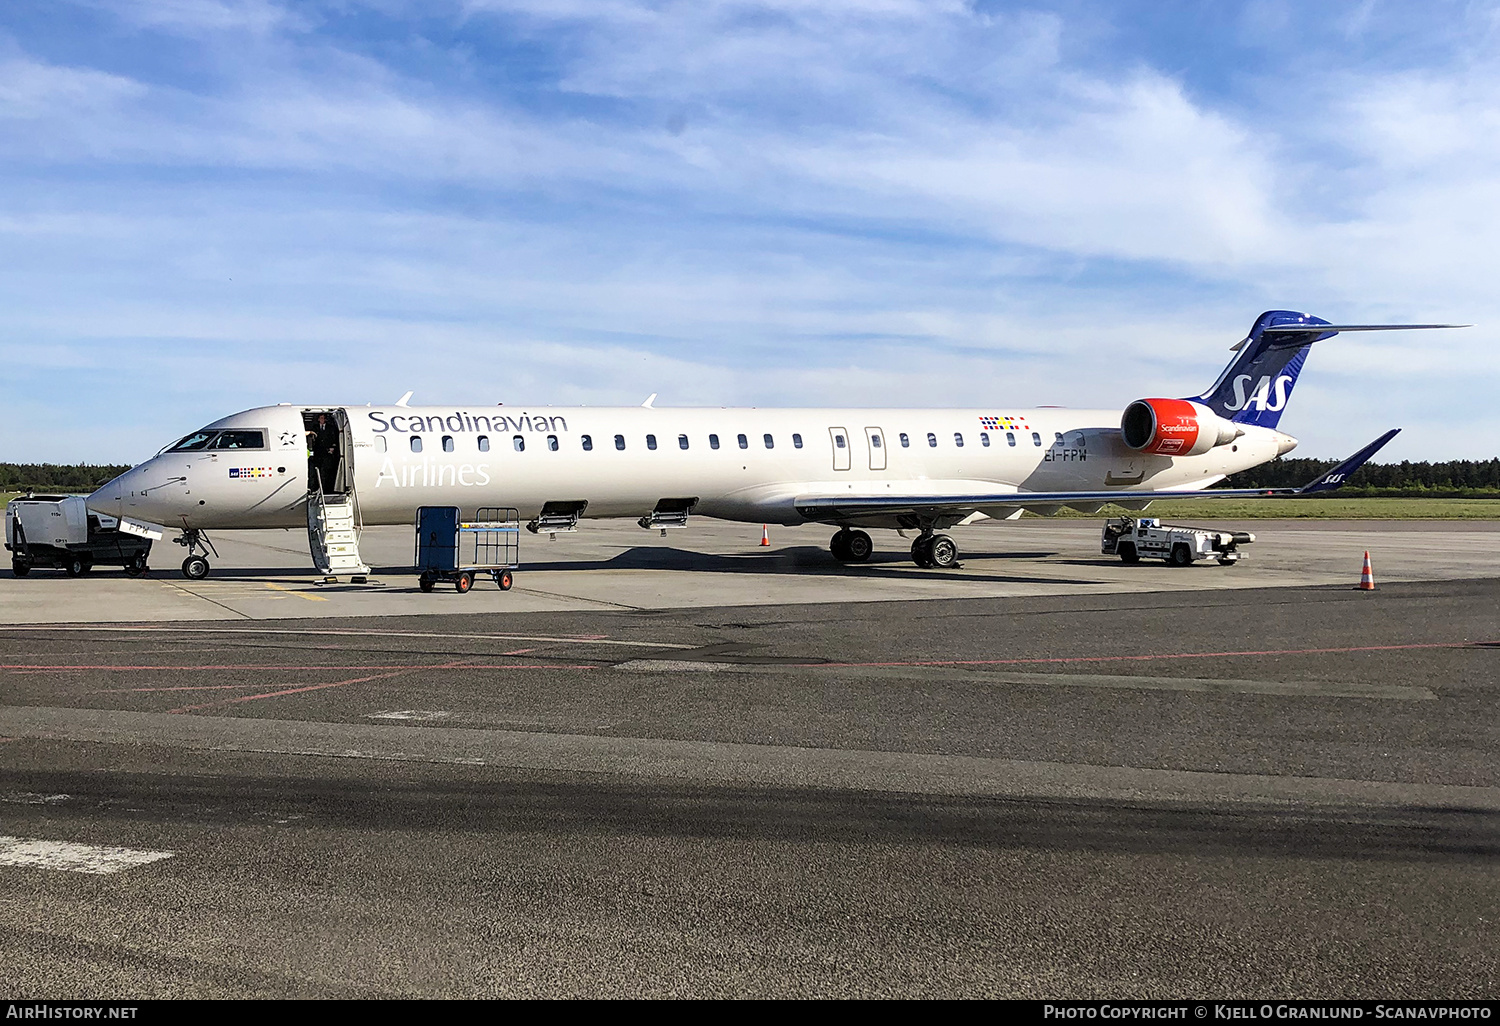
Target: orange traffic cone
{"points": [[765, 535], [1366, 575]]}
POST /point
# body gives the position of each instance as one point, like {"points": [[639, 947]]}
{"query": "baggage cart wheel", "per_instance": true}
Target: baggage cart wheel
{"points": [[425, 583], [1181, 555], [464, 582], [1128, 553], [20, 567], [1228, 562], [505, 580], [195, 568], [75, 567]]}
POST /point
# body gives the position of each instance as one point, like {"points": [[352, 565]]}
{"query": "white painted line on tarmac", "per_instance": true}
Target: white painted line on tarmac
{"points": [[419, 715], [97, 859], [321, 632], [32, 798]]}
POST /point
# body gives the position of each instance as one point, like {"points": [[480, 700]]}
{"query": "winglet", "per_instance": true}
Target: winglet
{"points": [[403, 400], [1336, 477], [649, 400]]}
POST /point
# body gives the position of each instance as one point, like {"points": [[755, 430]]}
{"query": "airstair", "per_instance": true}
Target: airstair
{"points": [[333, 534]]}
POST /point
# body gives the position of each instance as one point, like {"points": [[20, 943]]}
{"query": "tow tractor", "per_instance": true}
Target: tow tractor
{"points": [[59, 531], [1130, 539]]}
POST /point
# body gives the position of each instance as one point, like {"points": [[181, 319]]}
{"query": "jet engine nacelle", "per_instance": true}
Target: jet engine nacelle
{"points": [[1174, 427]]}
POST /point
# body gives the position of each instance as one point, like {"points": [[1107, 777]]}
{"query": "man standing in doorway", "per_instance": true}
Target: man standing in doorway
{"points": [[324, 443]]}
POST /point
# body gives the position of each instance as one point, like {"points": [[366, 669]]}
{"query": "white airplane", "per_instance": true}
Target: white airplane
{"points": [[916, 470]]}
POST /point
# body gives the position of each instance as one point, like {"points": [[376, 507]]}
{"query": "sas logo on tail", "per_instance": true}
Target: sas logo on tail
{"points": [[1265, 395]]}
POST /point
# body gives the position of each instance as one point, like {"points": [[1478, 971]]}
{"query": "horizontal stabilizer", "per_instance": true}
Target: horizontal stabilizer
{"points": [[1321, 328], [1339, 474]]}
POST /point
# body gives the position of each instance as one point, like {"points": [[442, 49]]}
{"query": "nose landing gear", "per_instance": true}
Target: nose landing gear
{"points": [[195, 566]]}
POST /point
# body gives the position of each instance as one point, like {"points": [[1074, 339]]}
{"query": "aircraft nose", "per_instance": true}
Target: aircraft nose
{"points": [[108, 498]]}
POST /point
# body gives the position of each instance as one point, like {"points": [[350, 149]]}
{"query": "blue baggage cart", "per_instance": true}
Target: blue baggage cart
{"points": [[452, 549]]}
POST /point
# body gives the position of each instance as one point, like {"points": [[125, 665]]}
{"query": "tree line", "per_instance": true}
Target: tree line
{"points": [[56, 477], [1451, 479]]}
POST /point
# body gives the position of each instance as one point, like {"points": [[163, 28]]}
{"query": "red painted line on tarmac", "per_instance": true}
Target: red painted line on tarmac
{"points": [[519, 651], [284, 692], [1173, 655]]}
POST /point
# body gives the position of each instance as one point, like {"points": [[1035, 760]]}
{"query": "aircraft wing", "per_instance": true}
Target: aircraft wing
{"points": [[844, 507]]}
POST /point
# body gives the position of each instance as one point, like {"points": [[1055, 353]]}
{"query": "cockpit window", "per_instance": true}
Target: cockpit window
{"points": [[241, 440], [194, 441]]}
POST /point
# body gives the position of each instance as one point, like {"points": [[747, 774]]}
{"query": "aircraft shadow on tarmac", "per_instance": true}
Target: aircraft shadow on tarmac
{"points": [[807, 561], [801, 560], [494, 802]]}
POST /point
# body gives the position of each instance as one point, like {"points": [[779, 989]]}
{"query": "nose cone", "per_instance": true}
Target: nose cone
{"points": [[109, 497], [1284, 443]]}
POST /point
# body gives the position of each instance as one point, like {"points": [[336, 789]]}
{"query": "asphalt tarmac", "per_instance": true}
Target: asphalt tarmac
{"points": [[1277, 792]]}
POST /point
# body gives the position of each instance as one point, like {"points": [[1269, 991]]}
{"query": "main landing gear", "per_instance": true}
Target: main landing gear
{"points": [[195, 567], [934, 551], [930, 551], [851, 546]]}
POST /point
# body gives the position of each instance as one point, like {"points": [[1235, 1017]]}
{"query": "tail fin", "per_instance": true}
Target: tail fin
{"points": [[1255, 387]]}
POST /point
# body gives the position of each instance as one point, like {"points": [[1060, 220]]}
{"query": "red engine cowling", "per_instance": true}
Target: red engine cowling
{"points": [[1174, 427]]}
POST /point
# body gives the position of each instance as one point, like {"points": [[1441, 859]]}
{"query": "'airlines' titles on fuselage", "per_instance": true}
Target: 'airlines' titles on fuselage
{"points": [[467, 422]]}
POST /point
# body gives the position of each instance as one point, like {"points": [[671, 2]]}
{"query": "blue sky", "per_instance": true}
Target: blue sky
{"points": [[207, 205]]}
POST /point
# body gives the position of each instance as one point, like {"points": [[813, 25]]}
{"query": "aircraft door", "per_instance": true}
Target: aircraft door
{"points": [[875, 439], [840, 439], [330, 450]]}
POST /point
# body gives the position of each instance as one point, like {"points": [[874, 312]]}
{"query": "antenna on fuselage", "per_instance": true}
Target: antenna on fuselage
{"points": [[649, 400], [403, 400]]}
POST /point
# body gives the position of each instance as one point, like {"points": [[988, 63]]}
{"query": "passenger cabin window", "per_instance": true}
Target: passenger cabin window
{"points": [[932, 440], [905, 441], [447, 443], [796, 440], [519, 441], [1010, 437], [588, 443], [875, 441], [984, 438], [651, 441], [241, 440], [1036, 439], [770, 442], [713, 441], [744, 442], [682, 442], [484, 443], [551, 443], [416, 443], [958, 439], [380, 443], [196, 440], [838, 440], [620, 442], [1058, 436]]}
